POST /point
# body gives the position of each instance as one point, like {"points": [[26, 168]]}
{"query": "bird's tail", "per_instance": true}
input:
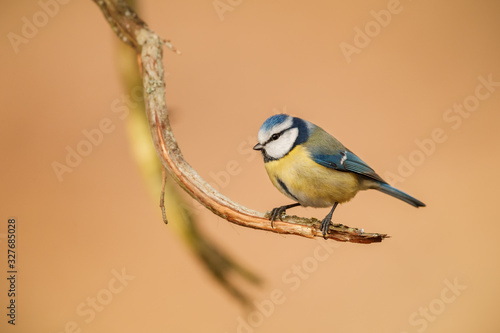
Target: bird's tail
{"points": [[388, 189]]}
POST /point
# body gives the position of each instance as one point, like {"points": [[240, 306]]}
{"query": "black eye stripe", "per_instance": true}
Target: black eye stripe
{"points": [[272, 138]]}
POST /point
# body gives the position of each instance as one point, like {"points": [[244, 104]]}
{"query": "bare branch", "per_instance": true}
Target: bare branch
{"points": [[135, 32]]}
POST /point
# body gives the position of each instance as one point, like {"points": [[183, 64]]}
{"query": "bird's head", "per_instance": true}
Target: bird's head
{"points": [[280, 134]]}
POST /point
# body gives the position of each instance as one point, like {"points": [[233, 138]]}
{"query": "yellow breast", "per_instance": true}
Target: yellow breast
{"points": [[300, 178]]}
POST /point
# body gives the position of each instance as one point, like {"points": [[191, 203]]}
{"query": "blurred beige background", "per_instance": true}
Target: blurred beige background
{"points": [[379, 94]]}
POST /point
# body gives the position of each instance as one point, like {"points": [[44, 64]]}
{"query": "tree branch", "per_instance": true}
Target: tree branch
{"points": [[149, 46]]}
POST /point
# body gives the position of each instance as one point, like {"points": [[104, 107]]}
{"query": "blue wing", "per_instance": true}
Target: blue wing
{"points": [[346, 161]]}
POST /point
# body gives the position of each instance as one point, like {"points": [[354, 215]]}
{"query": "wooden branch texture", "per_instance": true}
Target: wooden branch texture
{"points": [[149, 46]]}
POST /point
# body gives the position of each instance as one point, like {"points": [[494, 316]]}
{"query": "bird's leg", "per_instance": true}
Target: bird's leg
{"points": [[325, 224], [278, 211]]}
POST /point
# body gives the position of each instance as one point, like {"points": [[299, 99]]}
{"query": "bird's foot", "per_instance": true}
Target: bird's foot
{"points": [[325, 226], [277, 213]]}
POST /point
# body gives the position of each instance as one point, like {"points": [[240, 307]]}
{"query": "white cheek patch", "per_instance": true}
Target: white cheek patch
{"points": [[279, 148]]}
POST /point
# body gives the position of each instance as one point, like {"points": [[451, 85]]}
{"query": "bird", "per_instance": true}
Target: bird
{"points": [[314, 169]]}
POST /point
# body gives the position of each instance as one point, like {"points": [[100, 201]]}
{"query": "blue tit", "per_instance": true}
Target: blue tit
{"points": [[314, 169]]}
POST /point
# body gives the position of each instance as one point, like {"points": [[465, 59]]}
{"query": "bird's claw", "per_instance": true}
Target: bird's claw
{"points": [[325, 226], [277, 212]]}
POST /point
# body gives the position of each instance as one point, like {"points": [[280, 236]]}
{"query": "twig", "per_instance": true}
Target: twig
{"points": [[135, 32], [162, 195]]}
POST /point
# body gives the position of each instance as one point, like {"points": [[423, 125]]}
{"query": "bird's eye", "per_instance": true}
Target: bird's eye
{"points": [[275, 136]]}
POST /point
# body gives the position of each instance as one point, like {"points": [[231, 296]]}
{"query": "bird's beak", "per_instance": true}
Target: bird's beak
{"points": [[258, 147]]}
